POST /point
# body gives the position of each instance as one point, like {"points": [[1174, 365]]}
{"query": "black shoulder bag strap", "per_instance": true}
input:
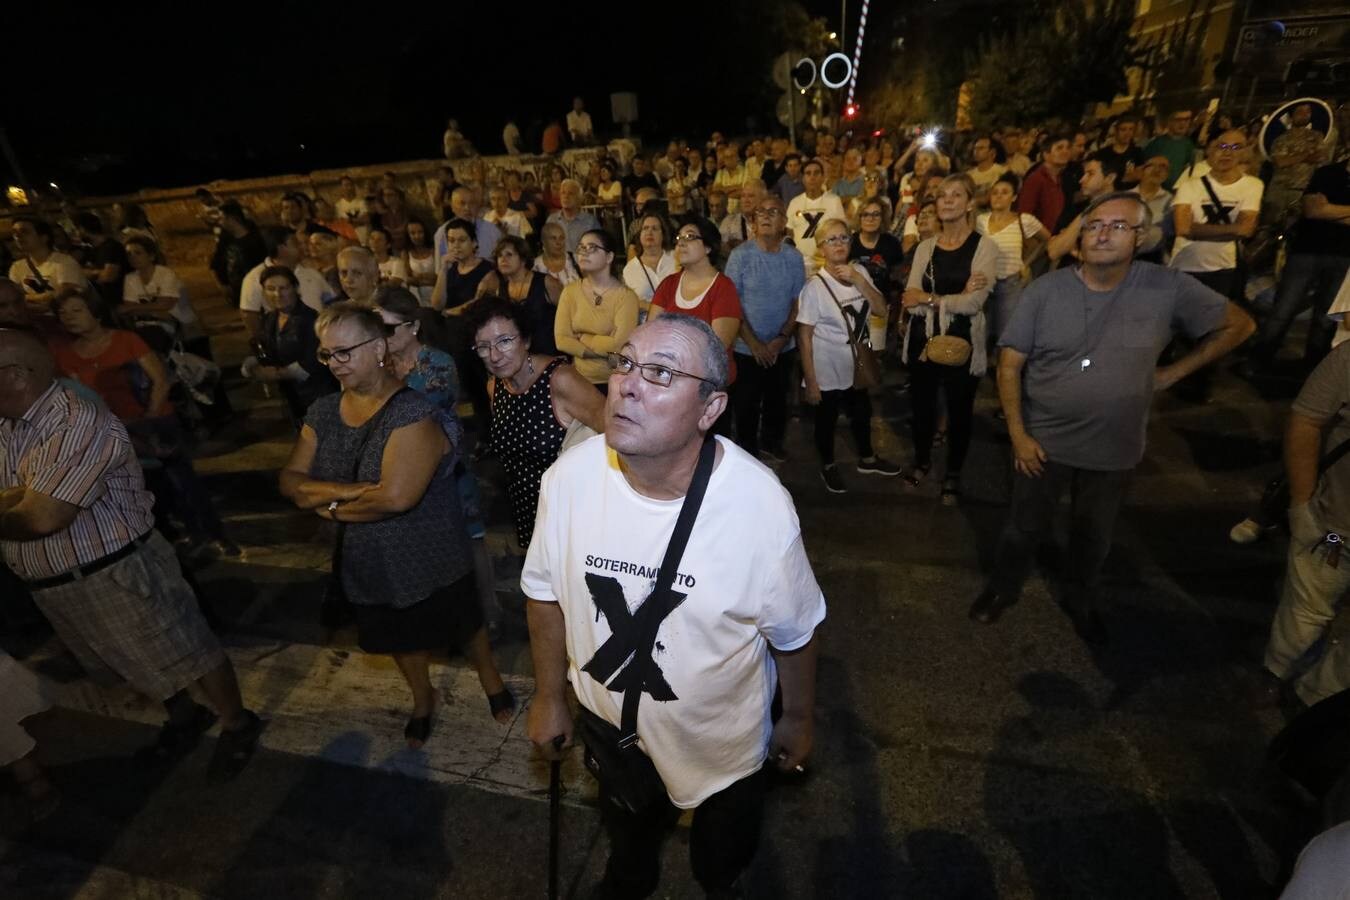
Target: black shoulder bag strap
{"points": [[1334, 455], [653, 610], [1214, 198], [43, 284]]}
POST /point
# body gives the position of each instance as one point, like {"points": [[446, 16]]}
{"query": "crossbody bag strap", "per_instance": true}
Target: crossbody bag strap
{"points": [[852, 338], [653, 611], [1334, 455], [43, 284], [1214, 198], [932, 290]]}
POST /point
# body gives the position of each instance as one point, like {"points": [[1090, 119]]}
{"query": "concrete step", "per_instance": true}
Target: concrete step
{"points": [[317, 699]]}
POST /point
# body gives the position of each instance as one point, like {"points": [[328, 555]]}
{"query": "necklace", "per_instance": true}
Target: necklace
{"points": [[1089, 342], [599, 295]]}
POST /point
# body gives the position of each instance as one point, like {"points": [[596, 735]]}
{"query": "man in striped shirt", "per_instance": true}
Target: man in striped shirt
{"points": [[76, 526]]}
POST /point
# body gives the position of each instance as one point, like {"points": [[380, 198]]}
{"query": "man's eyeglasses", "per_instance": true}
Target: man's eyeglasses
{"points": [[1232, 147], [341, 354], [771, 212], [588, 249], [1113, 228], [502, 344], [655, 373]]}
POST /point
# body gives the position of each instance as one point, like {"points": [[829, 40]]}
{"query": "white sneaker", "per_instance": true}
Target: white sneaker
{"points": [[1248, 531]]}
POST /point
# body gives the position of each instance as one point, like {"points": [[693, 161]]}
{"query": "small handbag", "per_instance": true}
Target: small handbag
{"points": [[944, 349], [866, 366]]}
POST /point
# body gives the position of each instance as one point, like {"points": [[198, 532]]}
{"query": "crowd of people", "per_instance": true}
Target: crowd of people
{"points": [[674, 301]]}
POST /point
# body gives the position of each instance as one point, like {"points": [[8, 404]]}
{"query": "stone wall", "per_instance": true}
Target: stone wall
{"points": [[187, 243]]}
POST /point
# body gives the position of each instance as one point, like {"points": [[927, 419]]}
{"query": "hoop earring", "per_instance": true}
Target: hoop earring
{"points": [[381, 363]]}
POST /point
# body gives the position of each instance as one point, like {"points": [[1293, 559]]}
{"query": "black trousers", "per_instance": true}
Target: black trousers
{"points": [[925, 380], [759, 401], [858, 406], [1094, 504], [722, 840]]}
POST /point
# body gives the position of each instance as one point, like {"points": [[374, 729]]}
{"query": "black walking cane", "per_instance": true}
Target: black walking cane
{"points": [[554, 816]]}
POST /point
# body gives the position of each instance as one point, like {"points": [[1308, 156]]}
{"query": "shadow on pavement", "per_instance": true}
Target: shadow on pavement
{"points": [[1077, 836], [338, 832]]}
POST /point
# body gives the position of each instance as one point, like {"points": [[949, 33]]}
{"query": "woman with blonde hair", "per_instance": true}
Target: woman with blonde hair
{"points": [[949, 283]]}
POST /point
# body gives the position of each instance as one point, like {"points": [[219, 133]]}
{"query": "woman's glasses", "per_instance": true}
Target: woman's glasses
{"points": [[502, 344], [342, 355]]}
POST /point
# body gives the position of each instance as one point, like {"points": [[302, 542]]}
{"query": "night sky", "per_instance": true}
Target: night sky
{"points": [[148, 98]]}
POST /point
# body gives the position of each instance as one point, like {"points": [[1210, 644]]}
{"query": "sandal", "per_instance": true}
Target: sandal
{"points": [[177, 740], [916, 475], [234, 749], [501, 702], [417, 731], [418, 728]]}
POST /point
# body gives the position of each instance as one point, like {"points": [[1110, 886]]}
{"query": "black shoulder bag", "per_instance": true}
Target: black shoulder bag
{"points": [[612, 754]]}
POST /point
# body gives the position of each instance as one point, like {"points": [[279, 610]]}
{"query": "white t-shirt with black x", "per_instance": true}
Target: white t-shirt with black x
{"points": [[743, 584], [804, 216]]}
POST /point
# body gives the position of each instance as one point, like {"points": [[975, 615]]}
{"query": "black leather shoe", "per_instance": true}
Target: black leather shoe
{"points": [[989, 606]]}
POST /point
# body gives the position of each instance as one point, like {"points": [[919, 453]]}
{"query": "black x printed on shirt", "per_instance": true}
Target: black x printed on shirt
{"points": [[626, 628], [812, 220]]}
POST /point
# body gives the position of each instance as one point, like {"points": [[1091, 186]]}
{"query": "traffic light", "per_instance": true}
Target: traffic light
{"points": [[851, 111]]}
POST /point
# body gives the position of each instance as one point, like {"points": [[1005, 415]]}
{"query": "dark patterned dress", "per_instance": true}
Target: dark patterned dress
{"points": [[527, 437], [407, 576]]}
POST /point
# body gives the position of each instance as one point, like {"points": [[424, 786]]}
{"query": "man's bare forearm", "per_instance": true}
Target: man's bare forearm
{"points": [[1237, 327], [1010, 393], [1302, 450], [797, 678], [548, 647]]}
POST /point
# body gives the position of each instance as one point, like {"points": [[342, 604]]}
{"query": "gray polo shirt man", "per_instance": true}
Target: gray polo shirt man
{"points": [[1087, 385], [1091, 356]]}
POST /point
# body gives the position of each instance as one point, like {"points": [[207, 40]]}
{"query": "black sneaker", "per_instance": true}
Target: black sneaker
{"points": [[877, 466], [834, 482]]}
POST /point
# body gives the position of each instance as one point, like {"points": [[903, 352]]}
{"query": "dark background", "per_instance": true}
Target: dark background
{"points": [[115, 98]]}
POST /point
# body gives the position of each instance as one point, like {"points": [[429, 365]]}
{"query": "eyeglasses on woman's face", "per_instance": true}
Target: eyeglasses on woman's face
{"points": [[586, 248], [835, 240], [688, 238], [502, 344], [341, 355], [655, 373]]}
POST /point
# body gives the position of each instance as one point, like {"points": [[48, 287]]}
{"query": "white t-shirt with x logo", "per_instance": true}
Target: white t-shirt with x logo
{"points": [[1243, 195], [746, 584]]}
